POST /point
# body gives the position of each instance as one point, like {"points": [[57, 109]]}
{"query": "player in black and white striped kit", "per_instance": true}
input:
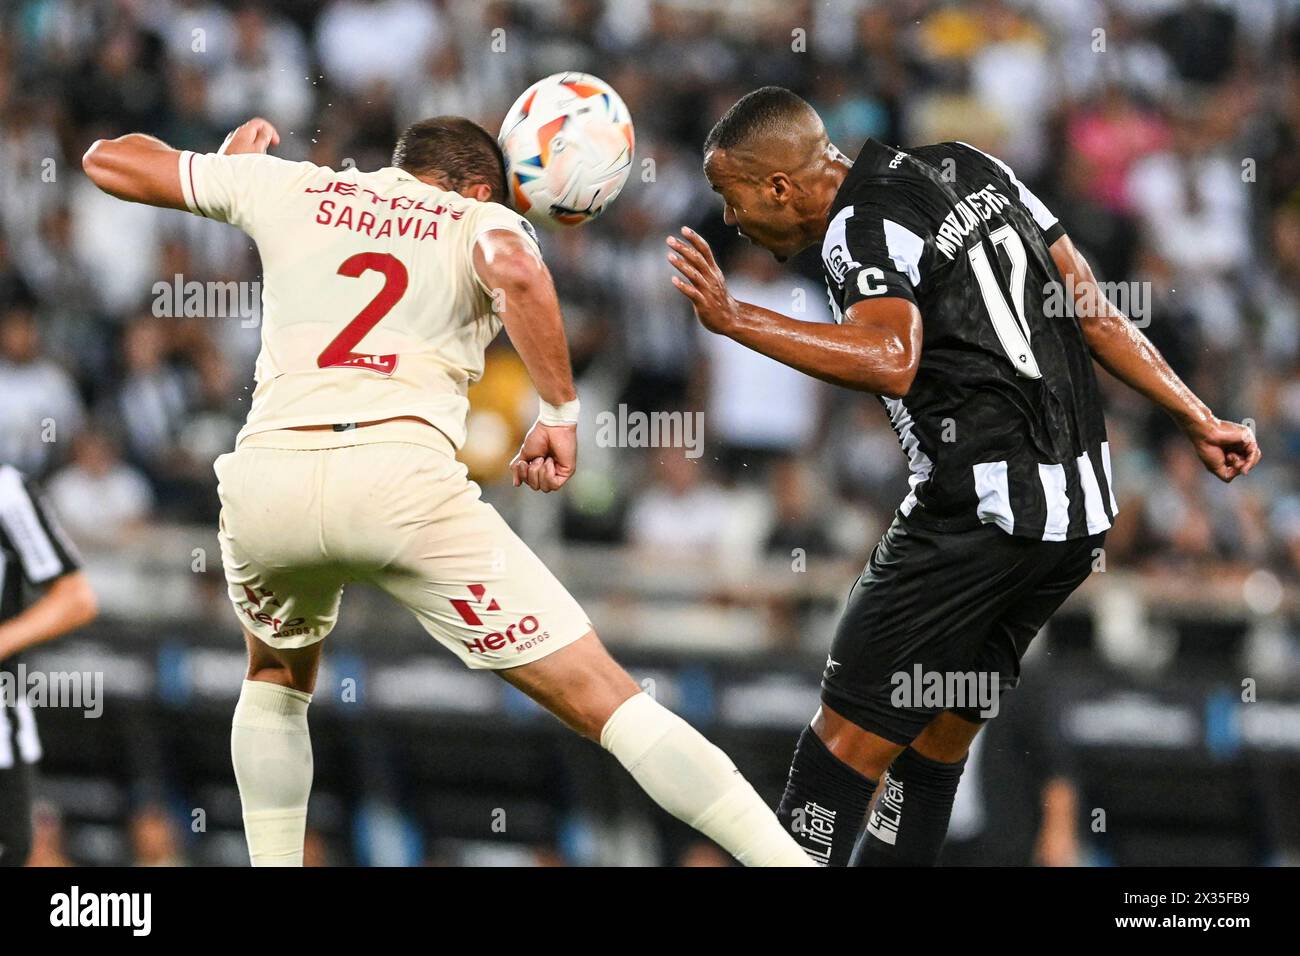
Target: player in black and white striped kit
{"points": [[34, 554], [962, 303]]}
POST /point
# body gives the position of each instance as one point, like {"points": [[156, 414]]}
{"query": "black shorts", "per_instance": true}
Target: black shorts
{"points": [[939, 621]]}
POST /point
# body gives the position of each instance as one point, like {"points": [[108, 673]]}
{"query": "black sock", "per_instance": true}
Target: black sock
{"points": [[824, 803], [910, 819]]}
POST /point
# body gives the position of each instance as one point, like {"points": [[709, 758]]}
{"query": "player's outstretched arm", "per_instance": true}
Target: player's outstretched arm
{"points": [[875, 349], [1227, 448], [67, 604], [525, 298], [139, 168]]}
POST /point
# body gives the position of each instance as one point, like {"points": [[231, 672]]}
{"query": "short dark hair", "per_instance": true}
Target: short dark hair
{"points": [[761, 112], [455, 150]]}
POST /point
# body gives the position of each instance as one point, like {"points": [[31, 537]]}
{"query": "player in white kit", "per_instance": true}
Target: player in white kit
{"points": [[381, 291]]}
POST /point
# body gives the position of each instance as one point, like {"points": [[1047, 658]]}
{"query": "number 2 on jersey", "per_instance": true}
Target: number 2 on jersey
{"points": [[339, 354], [1012, 330]]}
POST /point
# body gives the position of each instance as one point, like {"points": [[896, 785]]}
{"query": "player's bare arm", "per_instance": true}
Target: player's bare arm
{"points": [[141, 168], [530, 311], [876, 349], [67, 604], [1228, 449]]}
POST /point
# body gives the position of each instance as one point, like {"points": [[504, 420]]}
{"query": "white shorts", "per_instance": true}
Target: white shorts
{"points": [[396, 510]]}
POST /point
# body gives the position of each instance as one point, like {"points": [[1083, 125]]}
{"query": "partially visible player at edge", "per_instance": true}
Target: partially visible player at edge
{"points": [[943, 271], [377, 306]]}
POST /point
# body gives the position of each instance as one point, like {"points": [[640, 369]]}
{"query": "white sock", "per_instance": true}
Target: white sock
{"points": [[697, 783], [271, 750]]}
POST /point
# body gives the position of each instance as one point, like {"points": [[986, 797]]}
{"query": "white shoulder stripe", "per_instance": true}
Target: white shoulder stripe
{"points": [[905, 248], [1042, 215]]}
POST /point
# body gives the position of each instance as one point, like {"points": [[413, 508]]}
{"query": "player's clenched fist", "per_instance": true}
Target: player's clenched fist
{"points": [[547, 458], [255, 136], [702, 281], [1227, 448]]}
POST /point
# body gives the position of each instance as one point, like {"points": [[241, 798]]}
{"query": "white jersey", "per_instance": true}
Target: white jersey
{"points": [[371, 307]]}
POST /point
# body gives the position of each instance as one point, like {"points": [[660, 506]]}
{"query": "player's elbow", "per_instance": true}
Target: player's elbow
{"points": [[80, 604], [896, 382], [893, 371]]}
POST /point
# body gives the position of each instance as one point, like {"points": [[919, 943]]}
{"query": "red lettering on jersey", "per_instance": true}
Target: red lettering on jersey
{"points": [[404, 224], [366, 222], [326, 211], [324, 189], [431, 230], [345, 189], [385, 229], [401, 202], [345, 218]]}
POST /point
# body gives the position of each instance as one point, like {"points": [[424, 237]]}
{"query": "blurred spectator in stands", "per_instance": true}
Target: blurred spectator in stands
{"points": [[659, 332], [70, 323], [269, 74], [1193, 208], [41, 405], [1200, 37], [682, 513], [153, 398], [1106, 136], [31, 164], [188, 125], [361, 43], [1011, 75], [100, 498], [47, 836], [802, 520], [198, 33], [14, 287], [759, 409], [154, 840], [1193, 519]]}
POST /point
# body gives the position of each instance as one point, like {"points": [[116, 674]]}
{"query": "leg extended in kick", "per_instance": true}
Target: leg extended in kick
{"points": [[270, 748], [672, 762]]}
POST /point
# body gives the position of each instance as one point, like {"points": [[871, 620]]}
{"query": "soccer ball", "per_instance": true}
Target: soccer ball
{"points": [[568, 147]]}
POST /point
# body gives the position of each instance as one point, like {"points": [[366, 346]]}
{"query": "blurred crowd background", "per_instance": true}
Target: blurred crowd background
{"points": [[1164, 133]]}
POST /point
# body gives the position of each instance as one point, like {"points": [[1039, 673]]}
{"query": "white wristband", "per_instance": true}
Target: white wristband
{"points": [[566, 414]]}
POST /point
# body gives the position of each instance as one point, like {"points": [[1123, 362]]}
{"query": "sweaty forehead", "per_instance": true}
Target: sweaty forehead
{"points": [[722, 169]]}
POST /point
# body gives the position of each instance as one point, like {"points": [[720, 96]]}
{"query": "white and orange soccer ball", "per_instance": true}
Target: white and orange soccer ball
{"points": [[568, 145]]}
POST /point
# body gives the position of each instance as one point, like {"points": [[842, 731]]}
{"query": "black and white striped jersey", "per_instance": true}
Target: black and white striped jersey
{"points": [[33, 551], [1003, 423]]}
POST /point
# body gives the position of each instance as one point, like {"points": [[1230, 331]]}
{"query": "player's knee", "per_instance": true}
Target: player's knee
{"points": [[295, 668], [581, 684], [867, 753], [947, 738]]}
